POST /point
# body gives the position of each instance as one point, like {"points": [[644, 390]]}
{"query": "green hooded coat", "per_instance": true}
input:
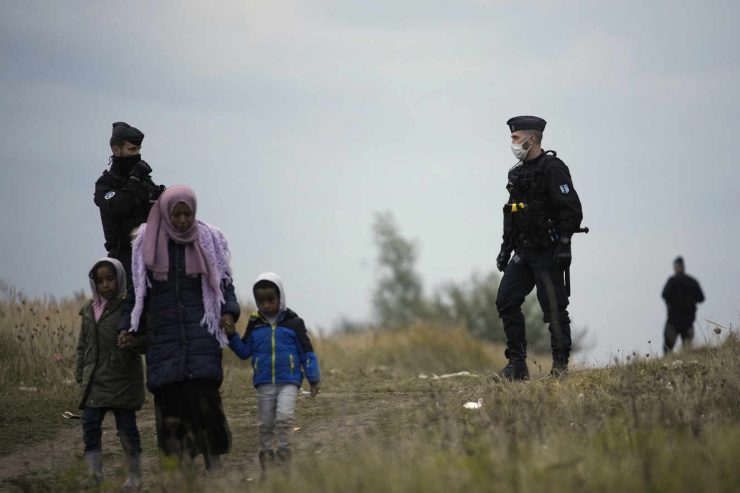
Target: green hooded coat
{"points": [[109, 377]]}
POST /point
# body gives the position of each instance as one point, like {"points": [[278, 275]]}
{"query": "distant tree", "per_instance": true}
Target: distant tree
{"points": [[347, 325], [398, 299], [473, 303]]}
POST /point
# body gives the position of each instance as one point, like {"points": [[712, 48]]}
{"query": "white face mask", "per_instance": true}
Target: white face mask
{"points": [[519, 151]]}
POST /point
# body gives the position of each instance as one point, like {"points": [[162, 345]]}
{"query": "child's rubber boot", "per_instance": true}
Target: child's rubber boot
{"points": [[267, 462], [94, 461], [284, 456], [133, 481]]}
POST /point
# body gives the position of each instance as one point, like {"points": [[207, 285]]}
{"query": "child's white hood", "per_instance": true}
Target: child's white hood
{"points": [[275, 279], [120, 277]]}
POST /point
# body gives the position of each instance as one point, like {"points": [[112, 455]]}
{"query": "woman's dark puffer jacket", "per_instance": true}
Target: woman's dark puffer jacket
{"points": [[179, 347]]}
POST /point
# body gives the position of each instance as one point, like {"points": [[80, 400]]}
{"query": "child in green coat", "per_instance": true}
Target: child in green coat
{"points": [[111, 377]]}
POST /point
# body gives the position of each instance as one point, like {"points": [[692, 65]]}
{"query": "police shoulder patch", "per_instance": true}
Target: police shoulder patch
{"points": [[564, 189], [110, 195]]}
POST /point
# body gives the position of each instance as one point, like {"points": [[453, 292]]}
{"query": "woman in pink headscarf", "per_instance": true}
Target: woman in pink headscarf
{"points": [[183, 299]]}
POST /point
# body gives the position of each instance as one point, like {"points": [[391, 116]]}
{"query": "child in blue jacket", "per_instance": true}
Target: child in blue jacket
{"points": [[277, 341]]}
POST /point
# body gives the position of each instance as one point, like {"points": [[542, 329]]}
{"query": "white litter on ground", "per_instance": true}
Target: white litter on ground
{"points": [[424, 376], [474, 405], [458, 374]]}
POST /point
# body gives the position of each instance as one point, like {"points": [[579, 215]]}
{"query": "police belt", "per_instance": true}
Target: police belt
{"points": [[529, 238]]}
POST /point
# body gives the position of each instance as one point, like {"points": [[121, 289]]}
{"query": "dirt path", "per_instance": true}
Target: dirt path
{"points": [[46, 454], [65, 449], [321, 422]]}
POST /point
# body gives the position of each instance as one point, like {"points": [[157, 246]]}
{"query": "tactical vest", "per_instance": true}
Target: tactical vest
{"points": [[116, 229], [527, 221]]}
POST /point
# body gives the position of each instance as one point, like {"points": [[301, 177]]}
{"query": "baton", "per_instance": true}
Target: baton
{"points": [[584, 230]]}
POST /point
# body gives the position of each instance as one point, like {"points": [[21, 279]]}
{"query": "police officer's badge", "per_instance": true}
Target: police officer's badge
{"points": [[110, 195], [564, 189]]}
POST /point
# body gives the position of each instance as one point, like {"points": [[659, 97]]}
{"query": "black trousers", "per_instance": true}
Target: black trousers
{"points": [[527, 269], [128, 433], [675, 328]]}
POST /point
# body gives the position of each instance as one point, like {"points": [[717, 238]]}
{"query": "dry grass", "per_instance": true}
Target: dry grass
{"points": [[653, 424], [37, 342]]}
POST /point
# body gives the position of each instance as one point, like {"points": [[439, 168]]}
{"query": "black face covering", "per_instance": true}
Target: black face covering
{"points": [[124, 165]]}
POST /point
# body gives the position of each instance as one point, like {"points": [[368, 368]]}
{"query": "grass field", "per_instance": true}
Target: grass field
{"points": [[386, 422]]}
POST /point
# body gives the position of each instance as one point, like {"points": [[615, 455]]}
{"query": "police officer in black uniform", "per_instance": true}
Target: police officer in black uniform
{"points": [[125, 193], [542, 214]]}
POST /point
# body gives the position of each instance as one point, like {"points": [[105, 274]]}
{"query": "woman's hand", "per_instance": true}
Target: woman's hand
{"points": [[227, 324]]}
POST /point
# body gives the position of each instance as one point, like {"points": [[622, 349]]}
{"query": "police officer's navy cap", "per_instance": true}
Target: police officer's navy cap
{"points": [[124, 131], [526, 123], [678, 260]]}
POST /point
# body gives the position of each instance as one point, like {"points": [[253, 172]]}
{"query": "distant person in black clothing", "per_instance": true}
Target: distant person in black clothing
{"points": [[681, 294], [125, 193]]}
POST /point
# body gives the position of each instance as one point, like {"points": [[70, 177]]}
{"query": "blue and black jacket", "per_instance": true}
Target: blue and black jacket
{"points": [[281, 352]]}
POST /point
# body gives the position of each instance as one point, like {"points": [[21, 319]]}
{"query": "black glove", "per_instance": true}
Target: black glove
{"points": [[503, 258], [562, 255], [156, 192], [141, 170]]}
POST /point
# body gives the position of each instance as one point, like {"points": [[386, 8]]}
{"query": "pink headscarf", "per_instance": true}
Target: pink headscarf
{"points": [[99, 303], [206, 253], [159, 230]]}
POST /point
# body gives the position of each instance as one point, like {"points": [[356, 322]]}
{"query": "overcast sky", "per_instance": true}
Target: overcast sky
{"points": [[296, 121]]}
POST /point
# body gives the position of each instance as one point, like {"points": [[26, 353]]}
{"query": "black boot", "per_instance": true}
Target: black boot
{"points": [[515, 370], [267, 462], [213, 462], [559, 365]]}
